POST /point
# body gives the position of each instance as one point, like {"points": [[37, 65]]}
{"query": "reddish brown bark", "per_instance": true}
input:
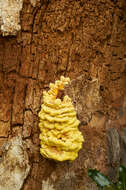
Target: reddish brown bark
{"points": [[69, 38]]}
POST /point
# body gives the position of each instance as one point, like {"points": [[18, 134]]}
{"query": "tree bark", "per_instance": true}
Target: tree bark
{"points": [[70, 38]]}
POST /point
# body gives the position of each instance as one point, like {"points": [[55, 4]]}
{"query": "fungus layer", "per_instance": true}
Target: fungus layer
{"points": [[60, 138]]}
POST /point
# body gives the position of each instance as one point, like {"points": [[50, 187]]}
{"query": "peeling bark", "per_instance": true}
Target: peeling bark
{"points": [[10, 16], [14, 165]]}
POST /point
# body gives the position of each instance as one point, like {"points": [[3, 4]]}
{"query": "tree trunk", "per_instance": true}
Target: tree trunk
{"points": [[73, 39]]}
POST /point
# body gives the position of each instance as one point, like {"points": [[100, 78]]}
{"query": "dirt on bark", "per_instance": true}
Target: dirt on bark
{"points": [[70, 38]]}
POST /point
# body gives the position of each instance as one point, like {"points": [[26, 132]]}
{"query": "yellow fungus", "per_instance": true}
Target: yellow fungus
{"points": [[60, 138]]}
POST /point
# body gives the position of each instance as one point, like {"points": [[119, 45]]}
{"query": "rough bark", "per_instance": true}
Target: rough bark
{"points": [[70, 38]]}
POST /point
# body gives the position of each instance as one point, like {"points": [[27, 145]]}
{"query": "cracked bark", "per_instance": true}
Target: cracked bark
{"points": [[75, 39]]}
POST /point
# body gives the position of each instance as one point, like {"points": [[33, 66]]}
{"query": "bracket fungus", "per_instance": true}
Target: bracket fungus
{"points": [[60, 138]]}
